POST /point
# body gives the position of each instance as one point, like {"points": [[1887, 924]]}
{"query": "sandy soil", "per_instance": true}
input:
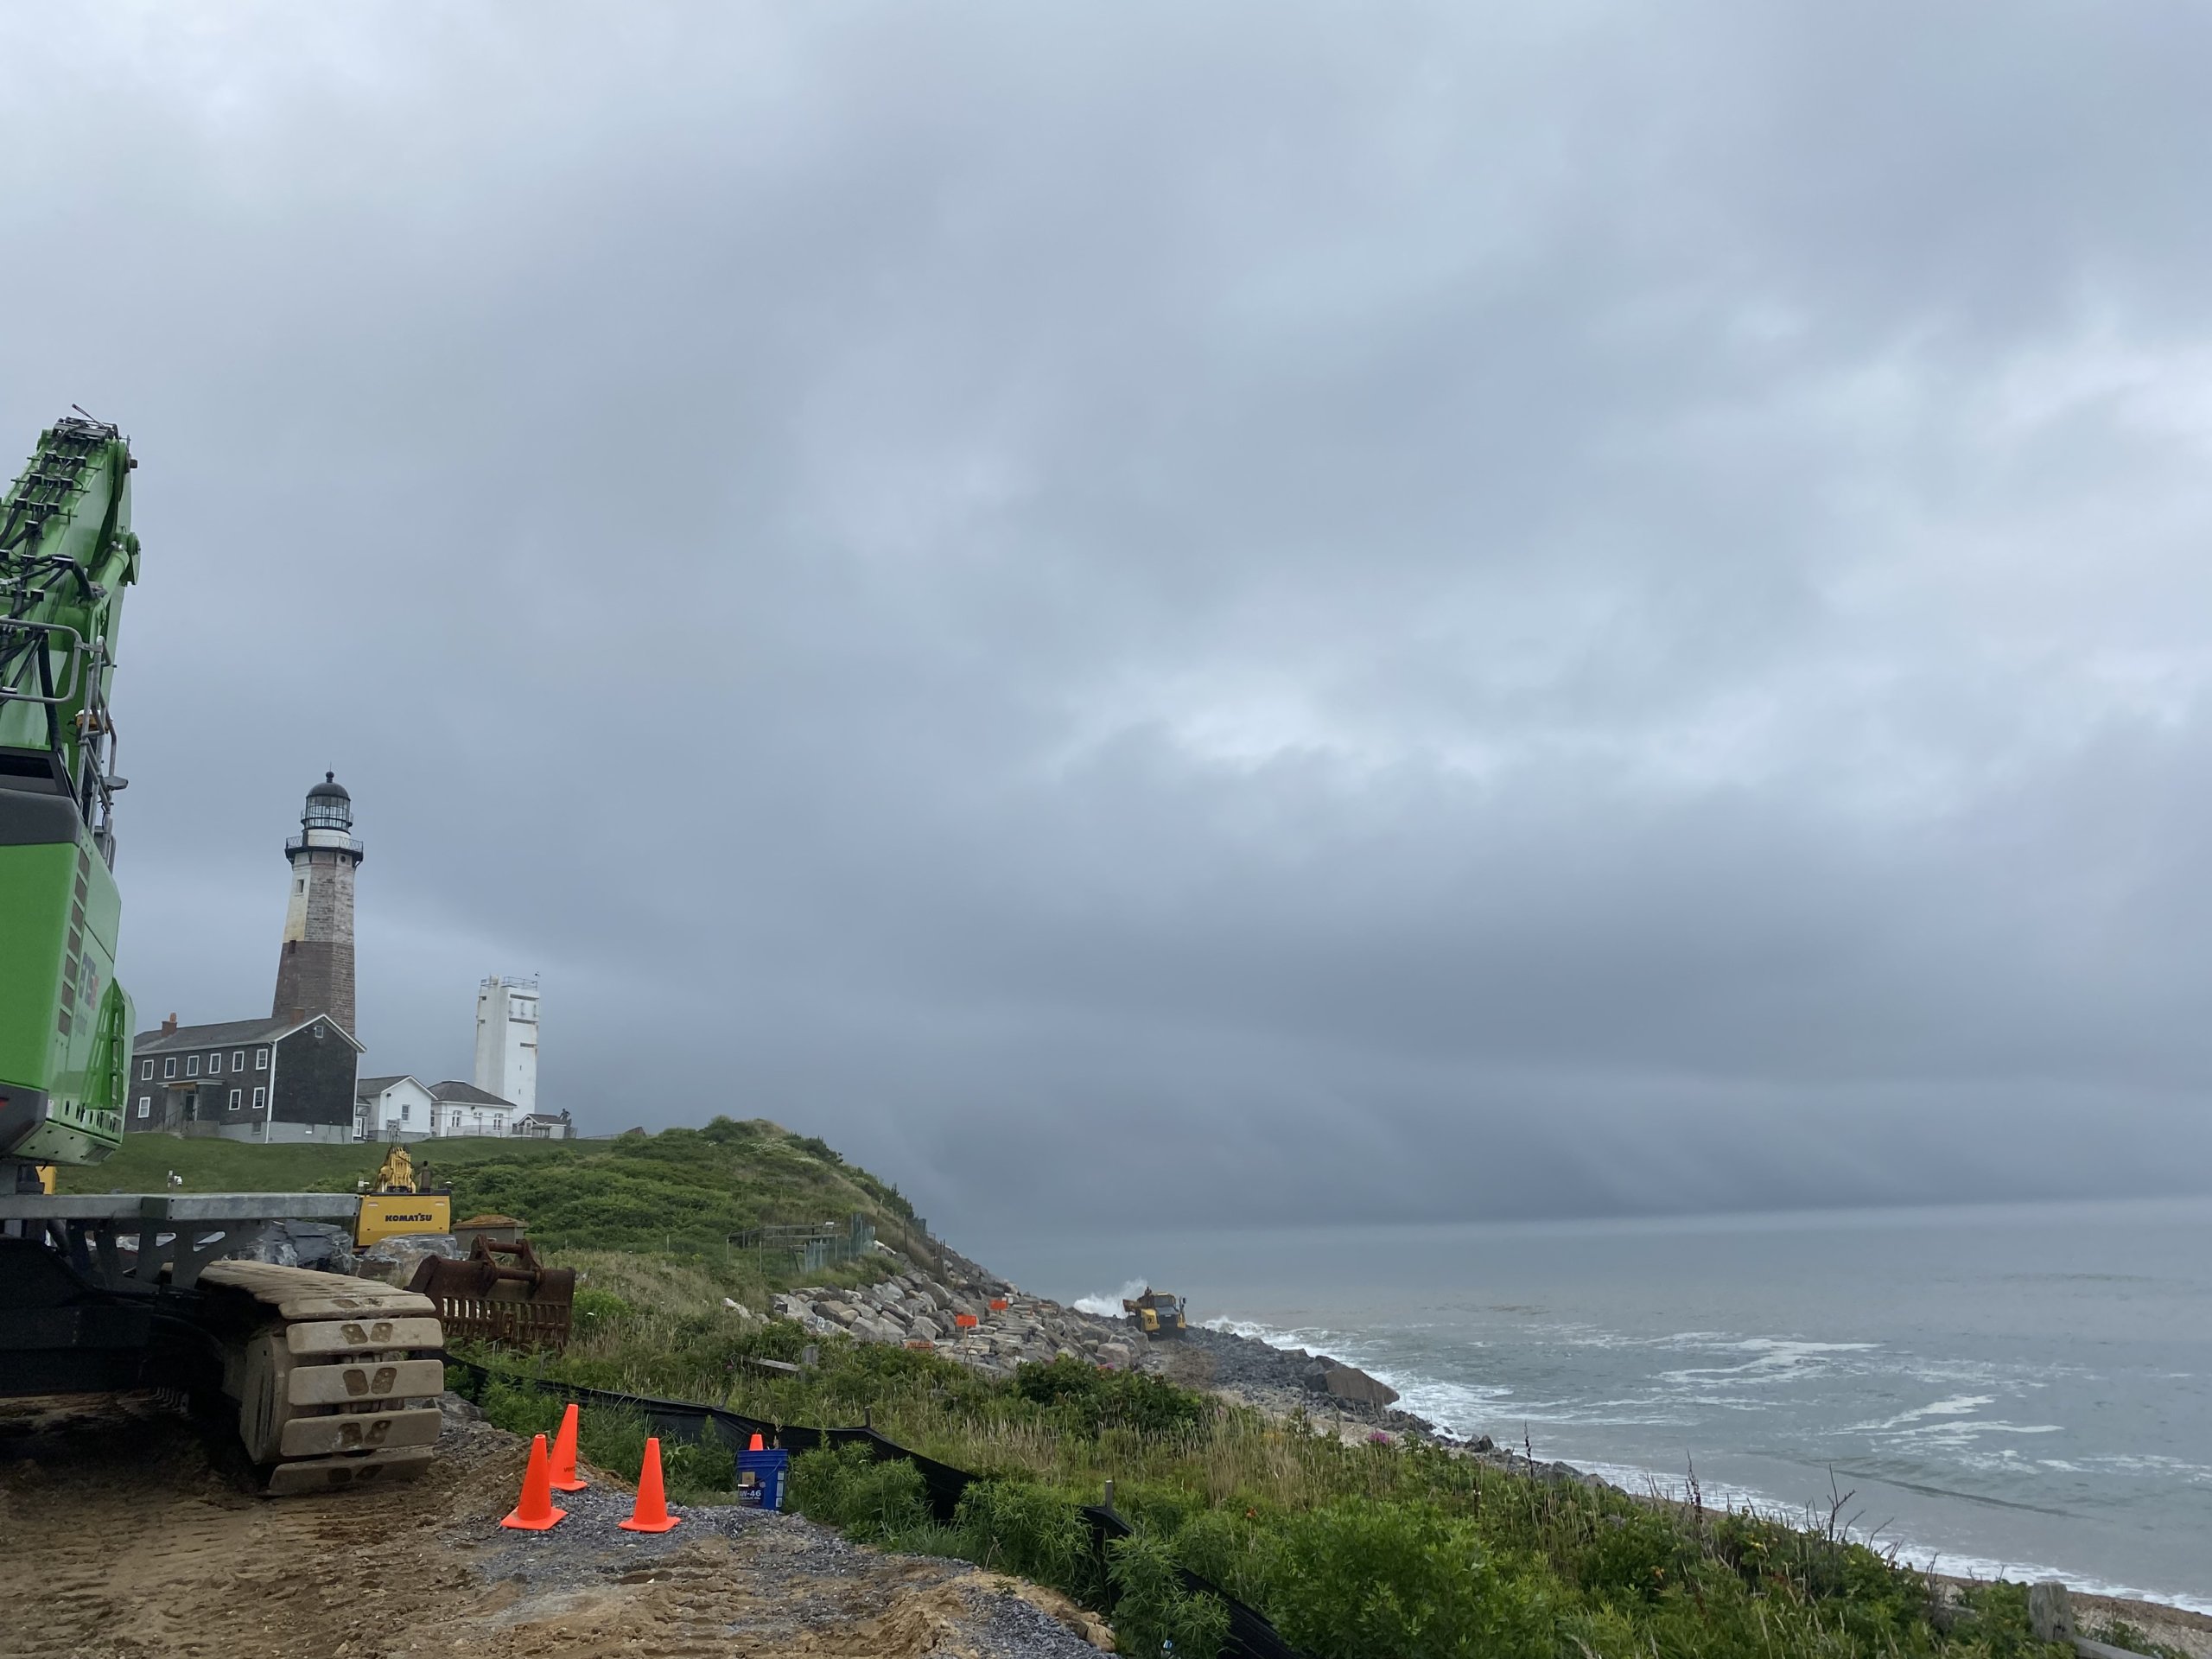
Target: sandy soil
{"points": [[131, 1544]]}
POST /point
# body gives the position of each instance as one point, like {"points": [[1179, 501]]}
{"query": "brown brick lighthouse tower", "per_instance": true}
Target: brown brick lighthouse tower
{"points": [[314, 968]]}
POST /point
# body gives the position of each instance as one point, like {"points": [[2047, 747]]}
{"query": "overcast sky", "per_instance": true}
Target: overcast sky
{"points": [[1240, 610]]}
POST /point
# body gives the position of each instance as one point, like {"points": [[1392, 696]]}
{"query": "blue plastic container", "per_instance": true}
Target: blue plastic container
{"points": [[760, 1477]]}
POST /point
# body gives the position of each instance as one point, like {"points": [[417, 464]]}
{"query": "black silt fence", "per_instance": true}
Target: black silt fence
{"points": [[1250, 1635]]}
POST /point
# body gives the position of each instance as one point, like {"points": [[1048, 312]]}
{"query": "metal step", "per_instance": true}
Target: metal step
{"points": [[352, 1336], [367, 1383], [368, 1430], [335, 1474]]}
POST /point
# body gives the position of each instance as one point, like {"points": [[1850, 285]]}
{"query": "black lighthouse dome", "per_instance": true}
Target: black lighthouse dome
{"points": [[329, 807]]}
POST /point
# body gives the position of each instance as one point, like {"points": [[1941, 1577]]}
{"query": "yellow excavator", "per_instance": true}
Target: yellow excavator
{"points": [[499, 1292], [401, 1200]]}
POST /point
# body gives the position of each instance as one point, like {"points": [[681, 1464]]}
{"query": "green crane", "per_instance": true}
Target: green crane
{"points": [[67, 553], [329, 1383]]}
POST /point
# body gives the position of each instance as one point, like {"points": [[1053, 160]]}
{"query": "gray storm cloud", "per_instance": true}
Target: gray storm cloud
{"points": [[1436, 612]]}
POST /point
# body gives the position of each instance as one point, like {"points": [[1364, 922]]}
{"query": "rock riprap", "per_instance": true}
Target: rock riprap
{"points": [[917, 1309]]}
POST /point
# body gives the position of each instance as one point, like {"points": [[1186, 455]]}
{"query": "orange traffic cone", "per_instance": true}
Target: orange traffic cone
{"points": [[650, 1513], [756, 1446], [535, 1512], [565, 1477]]}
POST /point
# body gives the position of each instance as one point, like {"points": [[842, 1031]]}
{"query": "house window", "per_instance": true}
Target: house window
{"points": [[215, 1063], [192, 1065], [261, 1060], [146, 1102], [234, 1100], [238, 1059], [260, 1098], [403, 1113], [168, 1066], [145, 1070]]}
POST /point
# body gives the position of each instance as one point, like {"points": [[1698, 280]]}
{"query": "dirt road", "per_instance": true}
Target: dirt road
{"points": [[123, 1542]]}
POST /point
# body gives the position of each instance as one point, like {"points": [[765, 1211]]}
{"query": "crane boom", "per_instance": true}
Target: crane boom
{"points": [[66, 552]]}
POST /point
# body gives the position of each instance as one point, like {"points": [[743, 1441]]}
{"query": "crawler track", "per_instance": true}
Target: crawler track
{"points": [[336, 1380]]}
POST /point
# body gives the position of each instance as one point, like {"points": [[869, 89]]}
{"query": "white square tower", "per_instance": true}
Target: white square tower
{"points": [[507, 1039]]}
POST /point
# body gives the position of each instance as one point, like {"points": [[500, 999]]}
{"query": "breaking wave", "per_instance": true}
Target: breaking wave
{"points": [[1106, 1304]]}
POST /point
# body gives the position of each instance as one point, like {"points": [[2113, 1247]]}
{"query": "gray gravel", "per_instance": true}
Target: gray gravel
{"points": [[590, 1544]]}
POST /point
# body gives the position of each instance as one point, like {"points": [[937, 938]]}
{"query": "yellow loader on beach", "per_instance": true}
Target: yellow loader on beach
{"points": [[1158, 1313]]}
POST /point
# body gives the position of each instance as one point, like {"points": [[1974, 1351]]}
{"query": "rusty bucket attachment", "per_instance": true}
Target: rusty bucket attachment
{"points": [[500, 1294]]}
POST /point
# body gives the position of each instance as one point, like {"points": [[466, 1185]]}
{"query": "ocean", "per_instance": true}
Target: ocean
{"points": [[2016, 1390]]}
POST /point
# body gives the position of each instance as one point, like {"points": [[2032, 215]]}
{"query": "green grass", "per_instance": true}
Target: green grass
{"points": [[142, 1162], [641, 1217], [680, 1192]]}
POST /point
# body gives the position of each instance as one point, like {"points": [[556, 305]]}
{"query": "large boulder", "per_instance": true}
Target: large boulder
{"points": [[393, 1260], [1349, 1384], [799, 1308], [303, 1244]]}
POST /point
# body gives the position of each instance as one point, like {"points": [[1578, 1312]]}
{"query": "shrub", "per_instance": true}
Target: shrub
{"points": [[844, 1487], [1639, 1554], [1399, 1580], [1240, 1552], [1021, 1527], [599, 1308], [1089, 1400], [522, 1410], [1153, 1609]]}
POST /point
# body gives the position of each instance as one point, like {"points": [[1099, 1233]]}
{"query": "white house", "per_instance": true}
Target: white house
{"points": [[393, 1108], [463, 1108]]}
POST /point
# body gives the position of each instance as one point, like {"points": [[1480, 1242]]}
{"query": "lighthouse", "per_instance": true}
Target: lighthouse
{"points": [[314, 966]]}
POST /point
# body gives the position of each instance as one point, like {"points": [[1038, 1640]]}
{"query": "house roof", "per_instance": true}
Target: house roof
{"points": [[450, 1093], [370, 1088], [561, 1117], [230, 1031]]}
